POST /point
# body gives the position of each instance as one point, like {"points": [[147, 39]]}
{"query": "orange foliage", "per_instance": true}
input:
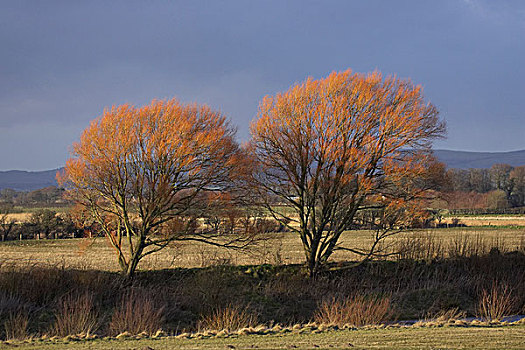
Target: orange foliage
{"points": [[326, 147], [141, 167]]}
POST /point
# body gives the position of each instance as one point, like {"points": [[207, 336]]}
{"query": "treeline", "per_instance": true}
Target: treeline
{"points": [[43, 197], [44, 221], [500, 187], [42, 224]]}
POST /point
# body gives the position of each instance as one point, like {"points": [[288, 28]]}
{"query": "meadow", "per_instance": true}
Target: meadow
{"points": [[276, 249], [52, 290]]}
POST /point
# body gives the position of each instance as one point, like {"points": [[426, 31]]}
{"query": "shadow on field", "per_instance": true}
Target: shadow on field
{"points": [[54, 301]]}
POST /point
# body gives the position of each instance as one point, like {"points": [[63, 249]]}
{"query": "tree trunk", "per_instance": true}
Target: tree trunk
{"points": [[313, 263], [312, 266], [130, 268]]}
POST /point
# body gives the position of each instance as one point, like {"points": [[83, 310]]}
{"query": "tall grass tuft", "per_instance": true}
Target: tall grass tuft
{"points": [[446, 315], [16, 326], [422, 246], [137, 313], [495, 303], [231, 317], [75, 315], [357, 311]]}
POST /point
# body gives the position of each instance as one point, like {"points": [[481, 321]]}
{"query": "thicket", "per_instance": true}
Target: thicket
{"points": [[42, 223], [496, 189]]}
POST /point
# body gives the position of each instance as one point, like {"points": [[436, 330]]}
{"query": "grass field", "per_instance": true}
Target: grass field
{"points": [[510, 337], [281, 248], [488, 220], [440, 270]]}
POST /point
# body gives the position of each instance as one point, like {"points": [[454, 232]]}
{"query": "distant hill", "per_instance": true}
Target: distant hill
{"points": [[466, 160], [32, 180], [20, 180]]}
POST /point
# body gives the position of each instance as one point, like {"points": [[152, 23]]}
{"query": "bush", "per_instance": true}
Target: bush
{"points": [[357, 311], [495, 303], [136, 313], [75, 315], [231, 318]]}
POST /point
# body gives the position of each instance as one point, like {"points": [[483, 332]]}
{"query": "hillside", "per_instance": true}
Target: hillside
{"points": [[20, 180], [31, 180], [466, 160]]}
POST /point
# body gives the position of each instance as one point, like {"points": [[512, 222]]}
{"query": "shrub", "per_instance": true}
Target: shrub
{"points": [[136, 313], [75, 315], [357, 311], [231, 317], [495, 303]]}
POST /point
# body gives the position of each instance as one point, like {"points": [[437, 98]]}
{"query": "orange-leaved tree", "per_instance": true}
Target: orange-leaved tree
{"points": [[141, 170], [332, 147]]}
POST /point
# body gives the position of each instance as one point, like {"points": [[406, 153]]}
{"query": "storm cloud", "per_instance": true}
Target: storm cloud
{"points": [[63, 62]]}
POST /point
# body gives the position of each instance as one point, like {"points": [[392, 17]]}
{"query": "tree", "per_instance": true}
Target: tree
{"points": [[329, 148], [497, 199], [517, 176], [500, 175], [81, 222], [466, 200], [480, 180], [459, 180], [6, 224], [45, 221], [142, 170]]}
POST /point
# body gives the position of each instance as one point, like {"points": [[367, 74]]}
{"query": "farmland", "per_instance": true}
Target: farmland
{"points": [[439, 270], [436, 271], [278, 248], [262, 175], [488, 220]]}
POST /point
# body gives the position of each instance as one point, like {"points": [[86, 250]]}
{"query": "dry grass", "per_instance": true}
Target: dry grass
{"points": [[137, 313], [16, 326], [75, 315], [442, 316], [441, 244], [503, 338], [177, 299], [488, 220], [34, 275], [281, 248], [19, 217], [356, 311], [231, 317]]}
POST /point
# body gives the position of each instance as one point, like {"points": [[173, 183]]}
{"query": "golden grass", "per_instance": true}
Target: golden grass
{"points": [[231, 318], [488, 220], [356, 311], [281, 248], [511, 337], [19, 217]]}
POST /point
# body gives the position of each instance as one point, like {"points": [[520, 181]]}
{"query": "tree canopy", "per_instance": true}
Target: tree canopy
{"points": [[331, 147], [140, 169]]}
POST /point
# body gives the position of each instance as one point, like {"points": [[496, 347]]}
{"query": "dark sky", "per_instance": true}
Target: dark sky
{"points": [[62, 62]]}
